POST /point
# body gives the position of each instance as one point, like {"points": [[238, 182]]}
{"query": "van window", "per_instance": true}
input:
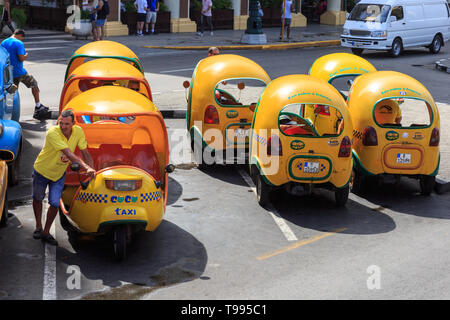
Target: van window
{"points": [[414, 12], [370, 13], [435, 11], [397, 12]]}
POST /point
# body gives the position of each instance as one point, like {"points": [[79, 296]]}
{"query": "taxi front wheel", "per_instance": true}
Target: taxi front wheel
{"points": [[426, 185], [341, 196], [262, 191]]}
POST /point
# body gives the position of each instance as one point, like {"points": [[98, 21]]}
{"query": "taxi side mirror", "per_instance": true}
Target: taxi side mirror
{"points": [[170, 168], [186, 84]]}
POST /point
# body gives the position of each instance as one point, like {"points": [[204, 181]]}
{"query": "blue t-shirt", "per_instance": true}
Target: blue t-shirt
{"points": [[151, 4], [15, 47]]}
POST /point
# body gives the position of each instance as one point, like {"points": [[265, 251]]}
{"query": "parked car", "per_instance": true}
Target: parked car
{"points": [[397, 24]]}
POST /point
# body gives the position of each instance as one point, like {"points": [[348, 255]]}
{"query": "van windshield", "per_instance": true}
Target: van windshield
{"points": [[370, 13]]}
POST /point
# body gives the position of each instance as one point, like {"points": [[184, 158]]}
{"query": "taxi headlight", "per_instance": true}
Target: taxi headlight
{"points": [[379, 34], [123, 185]]}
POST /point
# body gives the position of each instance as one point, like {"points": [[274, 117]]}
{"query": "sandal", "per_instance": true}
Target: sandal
{"points": [[37, 234], [49, 239]]}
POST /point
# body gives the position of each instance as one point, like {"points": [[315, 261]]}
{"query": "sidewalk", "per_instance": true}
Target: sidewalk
{"points": [[443, 65]]}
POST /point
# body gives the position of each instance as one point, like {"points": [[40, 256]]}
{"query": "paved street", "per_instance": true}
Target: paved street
{"points": [[215, 241]]}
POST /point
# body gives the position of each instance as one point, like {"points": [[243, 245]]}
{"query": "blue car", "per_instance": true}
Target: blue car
{"points": [[10, 130]]}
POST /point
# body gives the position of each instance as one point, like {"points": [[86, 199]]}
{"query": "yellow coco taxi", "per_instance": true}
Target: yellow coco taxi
{"points": [[336, 68], [103, 72], [396, 129], [222, 96], [296, 149], [3, 193], [102, 49], [129, 192]]}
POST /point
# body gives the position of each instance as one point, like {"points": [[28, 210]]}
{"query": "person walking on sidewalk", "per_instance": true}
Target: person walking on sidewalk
{"points": [[17, 56], [102, 14], [206, 15], [152, 11], [287, 18], [6, 17], [50, 167], [92, 17], [141, 7]]}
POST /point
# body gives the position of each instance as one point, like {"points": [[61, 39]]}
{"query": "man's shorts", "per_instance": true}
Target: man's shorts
{"points": [[287, 21], [100, 23], [151, 17], [40, 184], [26, 79], [141, 17]]}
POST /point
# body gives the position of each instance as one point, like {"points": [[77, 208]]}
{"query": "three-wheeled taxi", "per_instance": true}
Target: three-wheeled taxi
{"points": [[103, 72], [102, 49], [336, 68], [396, 129], [295, 148], [222, 96], [128, 142]]}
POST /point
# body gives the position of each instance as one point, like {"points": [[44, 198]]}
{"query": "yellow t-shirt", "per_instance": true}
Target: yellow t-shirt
{"points": [[51, 161]]}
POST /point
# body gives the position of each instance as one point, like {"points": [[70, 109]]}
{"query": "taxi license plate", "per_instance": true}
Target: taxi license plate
{"points": [[403, 158], [241, 133], [311, 167]]}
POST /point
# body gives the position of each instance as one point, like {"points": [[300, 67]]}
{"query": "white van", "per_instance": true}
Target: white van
{"points": [[396, 24]]}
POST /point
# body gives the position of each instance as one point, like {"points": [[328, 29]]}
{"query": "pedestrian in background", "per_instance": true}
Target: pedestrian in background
{"points": [[287, 18], [92, 17], [6, 17], [141, 7], [206, 16], [102, 14], [17, 56], [213, 51], [152, 10]]}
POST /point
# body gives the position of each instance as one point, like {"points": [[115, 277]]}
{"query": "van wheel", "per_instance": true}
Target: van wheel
{"points": [[397, 47], [426, 185], [262, 191], [341, 196], [357, 51], [4, 218], [436, 44]]}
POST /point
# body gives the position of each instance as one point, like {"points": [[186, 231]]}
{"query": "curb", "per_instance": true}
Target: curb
{"points": [[282, 46], [441, 66], [441, 186]]}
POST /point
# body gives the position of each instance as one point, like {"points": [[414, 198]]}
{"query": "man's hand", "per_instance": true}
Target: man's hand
{"points": [[91, 172]]}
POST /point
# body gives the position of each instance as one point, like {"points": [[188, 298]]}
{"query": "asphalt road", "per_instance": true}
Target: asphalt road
{"points": [[216, 242]]}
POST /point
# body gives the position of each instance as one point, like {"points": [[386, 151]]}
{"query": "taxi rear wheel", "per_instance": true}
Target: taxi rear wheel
{"points": [[341, 196], [4, 218], [427, 185], [120, 242], [356, 182], [262, 191]]}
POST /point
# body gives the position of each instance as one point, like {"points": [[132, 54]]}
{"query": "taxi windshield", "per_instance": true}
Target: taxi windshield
{"points": [[315, 120], [370, 13]]}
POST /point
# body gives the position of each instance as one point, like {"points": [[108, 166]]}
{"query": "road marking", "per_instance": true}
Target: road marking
{"points": [[290, 236], [46, 48], [49, 288], [47, 42], [300, 243], [178, 70]]}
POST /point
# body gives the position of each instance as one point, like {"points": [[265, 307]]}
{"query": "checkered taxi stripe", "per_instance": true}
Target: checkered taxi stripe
{"points": [[92, 197], [151, 196]]}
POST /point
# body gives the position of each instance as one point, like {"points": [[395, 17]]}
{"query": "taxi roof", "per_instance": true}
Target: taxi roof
{"points": [[105, 48], [111, 100], [107, 67], [335, 65]]}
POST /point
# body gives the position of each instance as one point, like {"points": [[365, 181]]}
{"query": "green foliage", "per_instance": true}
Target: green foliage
{"points": [[271, 3], [163, 7], [19, 17], [129, 6], [221, 4], [84, 14], [196, 5]]}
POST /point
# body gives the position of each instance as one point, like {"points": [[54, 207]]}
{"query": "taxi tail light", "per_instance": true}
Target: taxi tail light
{"points": [[274, 146], [123, 185], [211, 115], [369, 137], [434, 140], [346, 148]]}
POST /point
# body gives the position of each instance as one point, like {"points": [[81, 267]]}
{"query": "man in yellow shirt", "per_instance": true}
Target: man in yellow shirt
{"points": [[50, 168]]}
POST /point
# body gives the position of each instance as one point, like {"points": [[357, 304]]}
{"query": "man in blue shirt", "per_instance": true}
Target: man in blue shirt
{"points": [[17, 56], [152, 9]]}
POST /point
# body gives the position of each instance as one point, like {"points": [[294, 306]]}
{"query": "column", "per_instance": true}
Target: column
{"points": [[114, 26], [240, 8], [179, 16], [298, 19], [333, 15]]}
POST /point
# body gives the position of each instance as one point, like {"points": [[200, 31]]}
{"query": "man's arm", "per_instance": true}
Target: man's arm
{"points": [[23, 57], [73, 158]]}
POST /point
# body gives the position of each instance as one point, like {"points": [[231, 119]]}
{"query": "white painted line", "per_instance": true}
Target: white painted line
{"points": [[46, 48], [288, 233], [47, 41], [49, 288], [178, 70], [369, 204]]}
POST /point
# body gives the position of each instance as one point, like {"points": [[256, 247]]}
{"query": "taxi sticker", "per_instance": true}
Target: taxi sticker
{"points": [[232, 114], [418, 136], [297, 145], [333, 142], [392, 135]]}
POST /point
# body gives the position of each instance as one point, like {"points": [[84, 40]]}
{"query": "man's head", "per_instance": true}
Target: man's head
{"points": [[133, 85], [66, 121], [213, 51], [19, 34]]}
